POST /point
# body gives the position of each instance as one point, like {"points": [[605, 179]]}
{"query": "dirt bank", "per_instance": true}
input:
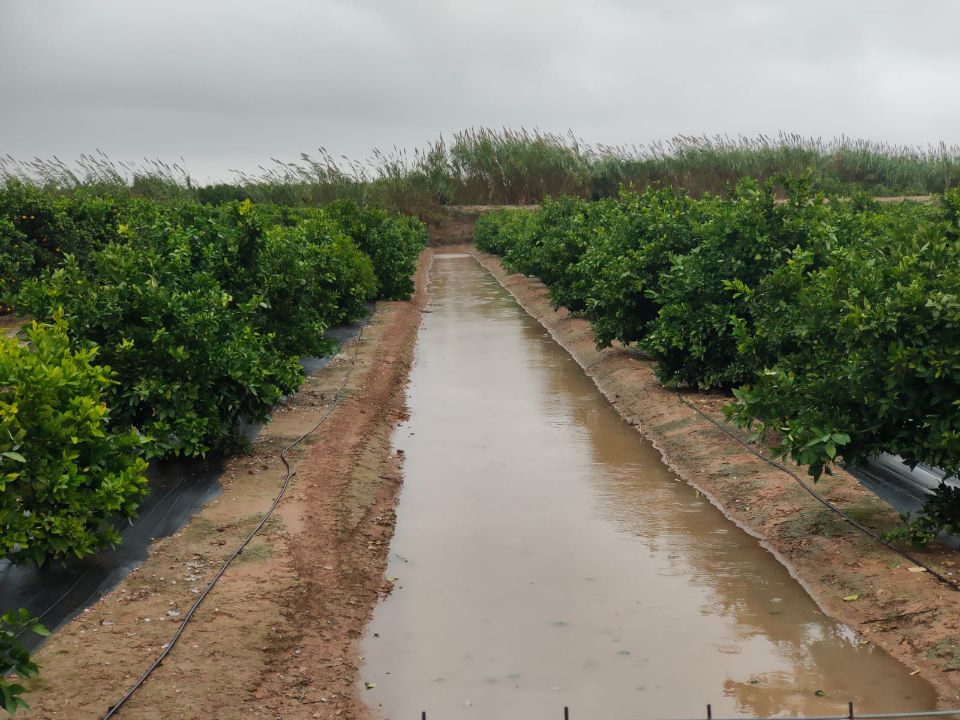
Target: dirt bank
{"points": [[853, 578], [276, 636], [454, 224], [10, 324]]}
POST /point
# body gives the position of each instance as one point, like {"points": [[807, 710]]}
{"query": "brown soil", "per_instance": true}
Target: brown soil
{"points": [[907, 613], [901, 198], [275, 638], [10, 324], [454, 225]]}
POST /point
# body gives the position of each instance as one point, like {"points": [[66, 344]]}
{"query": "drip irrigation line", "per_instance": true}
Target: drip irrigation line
{"points": [[170, 492], [338, 396], [849, 715], [56, 602], [952, 584]]}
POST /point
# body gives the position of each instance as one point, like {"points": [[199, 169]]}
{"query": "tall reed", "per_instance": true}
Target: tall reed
{"points": [[492, 167]]}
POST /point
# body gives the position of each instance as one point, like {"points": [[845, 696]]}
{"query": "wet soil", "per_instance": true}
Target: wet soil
{"points": [[275, 638], [904, 611], [545, 556], [10, 324]]}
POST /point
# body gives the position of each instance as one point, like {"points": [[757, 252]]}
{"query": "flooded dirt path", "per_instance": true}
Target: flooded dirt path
{"points": [[544, 555]]}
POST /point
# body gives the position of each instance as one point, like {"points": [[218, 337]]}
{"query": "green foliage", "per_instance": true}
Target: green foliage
{"points": [[868, 350], [201, 310], [188, 358], [37, 229], [301, 275], [15, 658], [940, 512], [556, 239], [703, 299], [65, 475], [500, 231], [517, 167], [198, 314], [16, 259], [393, 242], [313, 277], [220, 193], [626, 266], [836, 317]]}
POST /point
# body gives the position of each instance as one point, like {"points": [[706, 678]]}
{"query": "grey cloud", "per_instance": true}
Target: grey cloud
{"points": [[231, 84]]}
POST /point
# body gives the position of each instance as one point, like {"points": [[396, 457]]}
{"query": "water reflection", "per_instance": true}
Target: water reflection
{"points": [[546, 556]]}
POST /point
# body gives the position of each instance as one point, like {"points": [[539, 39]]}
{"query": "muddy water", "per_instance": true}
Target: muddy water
{"points": [[545, 556]]}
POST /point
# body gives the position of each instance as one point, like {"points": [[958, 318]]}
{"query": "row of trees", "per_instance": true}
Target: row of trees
{"points": [[835, 321], [158, 327]]}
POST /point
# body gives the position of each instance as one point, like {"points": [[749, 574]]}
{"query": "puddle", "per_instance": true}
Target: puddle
{"points": [[545, 556]]}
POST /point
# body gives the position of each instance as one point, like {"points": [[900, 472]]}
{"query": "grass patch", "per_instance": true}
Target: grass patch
{"points": [[947, 649], [867, 513], [256, 551], [671, 425], [737, 470], [814, 522]]}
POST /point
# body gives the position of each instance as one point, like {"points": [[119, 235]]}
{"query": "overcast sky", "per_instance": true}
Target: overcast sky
{"points": [[230, 84]]}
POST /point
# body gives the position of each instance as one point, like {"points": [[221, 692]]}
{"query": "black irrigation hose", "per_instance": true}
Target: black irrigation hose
{"points": [[952, 584], [338, 396]]}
